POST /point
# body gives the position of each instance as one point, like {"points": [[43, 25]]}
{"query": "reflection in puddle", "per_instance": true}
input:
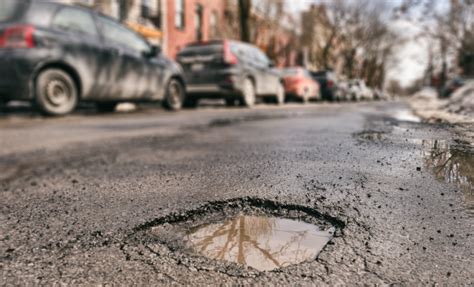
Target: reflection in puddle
{"points": [[453, 164], [264, 243]]}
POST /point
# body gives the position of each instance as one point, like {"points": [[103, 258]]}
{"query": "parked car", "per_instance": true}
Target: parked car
{"points": [[343, 92], [229, 70], [381, 95], [328, 84], [56, 55], [451, 86], [300, 85], [359, 90]]}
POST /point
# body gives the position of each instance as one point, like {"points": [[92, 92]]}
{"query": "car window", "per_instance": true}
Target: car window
{"points": [[249, 53], [9, 9], [262, 57], [116, 33], [238, 50], [202, 50], [75, 20]]}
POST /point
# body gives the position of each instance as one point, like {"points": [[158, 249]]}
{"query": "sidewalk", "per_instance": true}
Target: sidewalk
{"points": [[458, 109]]}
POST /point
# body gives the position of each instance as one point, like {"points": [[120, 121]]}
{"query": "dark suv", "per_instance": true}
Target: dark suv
{"points": [[230, 70], [328, 84], [56, 55]]}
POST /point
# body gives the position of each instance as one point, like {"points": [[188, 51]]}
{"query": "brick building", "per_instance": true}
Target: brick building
{"points": [[170, 23], [174, 23], [191, 20]]}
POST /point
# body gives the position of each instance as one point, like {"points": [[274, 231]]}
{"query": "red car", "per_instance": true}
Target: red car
{"points": [[299, 85]]}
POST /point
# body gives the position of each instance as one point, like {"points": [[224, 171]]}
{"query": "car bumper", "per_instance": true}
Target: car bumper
{"points": [[229, 87]]}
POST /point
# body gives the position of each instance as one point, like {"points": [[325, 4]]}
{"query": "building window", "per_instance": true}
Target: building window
{"points": [[213, 24], [179, 14], [198, 23]]}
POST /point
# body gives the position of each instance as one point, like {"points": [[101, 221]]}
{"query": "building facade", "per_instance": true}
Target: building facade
{"points": [[169, 23], [174, 23], [191, 21]]}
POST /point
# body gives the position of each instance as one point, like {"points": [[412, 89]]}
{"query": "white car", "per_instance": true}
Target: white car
{"points": [[359, 91]]}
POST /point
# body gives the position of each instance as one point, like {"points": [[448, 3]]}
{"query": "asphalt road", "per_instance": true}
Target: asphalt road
{"points": [[80, 194]]}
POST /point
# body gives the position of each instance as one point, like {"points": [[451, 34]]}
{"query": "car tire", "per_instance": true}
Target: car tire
{"points": [[175, 95], [106, 107], [56, 93], [248, 94], [280, 95]]}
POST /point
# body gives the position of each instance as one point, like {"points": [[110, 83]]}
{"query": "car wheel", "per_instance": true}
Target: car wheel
{"points": [[106, 107], [280, 95], [248, 94], [56, 92], [174, 97]]}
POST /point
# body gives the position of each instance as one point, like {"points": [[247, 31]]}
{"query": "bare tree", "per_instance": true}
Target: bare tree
{"points": [[245, 8]]}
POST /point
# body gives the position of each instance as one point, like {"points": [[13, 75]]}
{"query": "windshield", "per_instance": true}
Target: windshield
{"points": [[10, 9], [202, 50]]}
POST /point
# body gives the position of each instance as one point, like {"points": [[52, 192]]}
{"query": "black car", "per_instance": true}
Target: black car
{"points": [[327, 83], [56, 55], [229, 70]]}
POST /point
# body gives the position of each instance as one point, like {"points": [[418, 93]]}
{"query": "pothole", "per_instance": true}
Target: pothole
{"points": [[452, 163], [264, 243], [248, 232], [370, 136]]}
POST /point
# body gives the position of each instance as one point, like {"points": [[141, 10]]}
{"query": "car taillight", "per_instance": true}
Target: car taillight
{"points": [[330, 84], [294, 80], [18, 37], [229, 57]]}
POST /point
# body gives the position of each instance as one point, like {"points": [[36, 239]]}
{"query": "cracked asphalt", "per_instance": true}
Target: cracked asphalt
{"points": [[80, 195]]}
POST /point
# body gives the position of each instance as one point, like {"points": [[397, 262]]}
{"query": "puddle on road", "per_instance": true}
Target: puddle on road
{"points": [[453, 164], [264, 243]]}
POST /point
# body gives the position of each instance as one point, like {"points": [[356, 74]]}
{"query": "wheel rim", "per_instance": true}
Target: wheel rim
{"points": [[174, 94], [58, 93]]}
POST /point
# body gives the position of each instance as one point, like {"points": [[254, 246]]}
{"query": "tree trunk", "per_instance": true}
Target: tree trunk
{"points": [[244, 17]]}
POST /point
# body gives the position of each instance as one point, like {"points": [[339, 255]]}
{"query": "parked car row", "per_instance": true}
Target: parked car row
{"points": [[57, 55]]}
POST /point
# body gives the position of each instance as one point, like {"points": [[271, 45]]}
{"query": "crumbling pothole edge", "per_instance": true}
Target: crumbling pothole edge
{"points": [[260, 203]]}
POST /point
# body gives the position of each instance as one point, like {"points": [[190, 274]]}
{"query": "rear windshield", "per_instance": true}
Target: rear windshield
{"points": [[12, 9], [202, 50], [291, 72]]}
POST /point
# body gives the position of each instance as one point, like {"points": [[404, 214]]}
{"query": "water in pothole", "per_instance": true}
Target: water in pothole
{"points": [[453, 164], [264, 243]]}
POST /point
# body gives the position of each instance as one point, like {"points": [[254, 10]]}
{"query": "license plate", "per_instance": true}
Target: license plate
{"points": [[197, 67]]}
